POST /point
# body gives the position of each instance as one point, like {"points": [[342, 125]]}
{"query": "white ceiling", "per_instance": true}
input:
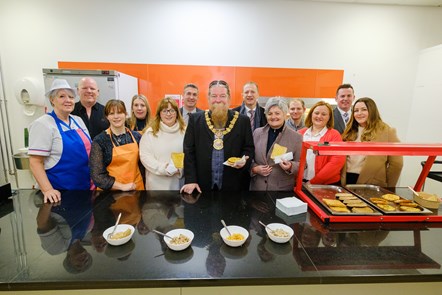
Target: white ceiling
{"points": [[390, 2]]}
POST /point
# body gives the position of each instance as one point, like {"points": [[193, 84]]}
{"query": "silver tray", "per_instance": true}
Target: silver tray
{"points": [[320, 192], [367, 191]]}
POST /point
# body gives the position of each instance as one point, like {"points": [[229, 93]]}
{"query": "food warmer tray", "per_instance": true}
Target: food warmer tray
{"points": [[367, 191], [320, 192]]}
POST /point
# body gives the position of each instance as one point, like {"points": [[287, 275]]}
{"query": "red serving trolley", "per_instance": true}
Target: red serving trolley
{"points": [[374, 148]]}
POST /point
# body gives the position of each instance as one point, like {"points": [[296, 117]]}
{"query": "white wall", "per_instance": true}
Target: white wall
{"points": [[425, 118], [376, 45]]}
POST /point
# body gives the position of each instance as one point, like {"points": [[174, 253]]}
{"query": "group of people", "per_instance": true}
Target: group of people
{"points": [[85, 145]]}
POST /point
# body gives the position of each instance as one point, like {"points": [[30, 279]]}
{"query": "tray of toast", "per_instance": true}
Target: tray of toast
{"points": [[339, 201], [386, 201]]}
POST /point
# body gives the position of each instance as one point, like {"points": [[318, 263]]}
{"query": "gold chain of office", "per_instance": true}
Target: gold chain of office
{"points": [[218, 142]]}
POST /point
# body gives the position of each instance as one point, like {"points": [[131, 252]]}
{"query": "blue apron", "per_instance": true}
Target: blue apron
{"points": [[76, 209], [72, 171]]}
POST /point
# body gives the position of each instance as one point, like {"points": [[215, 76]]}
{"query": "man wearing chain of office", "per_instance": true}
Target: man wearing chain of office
{"points": [[213, 139]]}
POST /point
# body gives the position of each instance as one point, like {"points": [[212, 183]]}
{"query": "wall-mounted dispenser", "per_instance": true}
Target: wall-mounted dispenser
{"points": [[29, 93]]}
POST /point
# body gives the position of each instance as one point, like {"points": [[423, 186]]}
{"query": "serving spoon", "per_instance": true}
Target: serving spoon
{"points": [[414, 192], [265, 225], [225, 226], [163, 234], [109, 236]]}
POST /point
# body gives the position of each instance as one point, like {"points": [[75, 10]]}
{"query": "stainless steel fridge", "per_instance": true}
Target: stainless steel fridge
{"points": [[112, 84]]}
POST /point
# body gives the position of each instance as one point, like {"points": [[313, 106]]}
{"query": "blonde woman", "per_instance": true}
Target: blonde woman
{"points": [[164, 137], [366, 125], [140, 114]]}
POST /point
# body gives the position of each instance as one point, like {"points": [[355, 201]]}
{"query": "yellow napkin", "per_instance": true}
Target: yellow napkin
{"points": [[278, 150], [178, 159]]}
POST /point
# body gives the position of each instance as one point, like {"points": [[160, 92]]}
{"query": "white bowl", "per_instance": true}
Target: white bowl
{"points": [[120, 228], [234, 229], [274, 226], [175, 233]]}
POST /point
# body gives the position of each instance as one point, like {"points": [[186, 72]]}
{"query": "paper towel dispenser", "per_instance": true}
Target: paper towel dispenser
{"points": [[29, 93]]}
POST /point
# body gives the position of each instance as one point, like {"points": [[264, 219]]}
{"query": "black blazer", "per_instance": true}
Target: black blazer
{"points": [[260, 117], [339, 122], [198, 146]]}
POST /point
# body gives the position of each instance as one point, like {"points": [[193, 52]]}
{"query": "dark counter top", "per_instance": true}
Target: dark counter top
{"points": [[61, 247]]}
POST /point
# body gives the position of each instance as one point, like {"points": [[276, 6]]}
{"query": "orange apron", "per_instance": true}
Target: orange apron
{"points": [[128, 205], [124, 164]]}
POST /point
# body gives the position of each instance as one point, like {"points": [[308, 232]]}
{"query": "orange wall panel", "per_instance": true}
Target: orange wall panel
{"points": [[170, 79], [155, 81]]}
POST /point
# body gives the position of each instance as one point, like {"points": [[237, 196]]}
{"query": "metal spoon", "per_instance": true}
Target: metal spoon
{"points": [[109, 236], [163, 234], [225, 226], [265, 225]]}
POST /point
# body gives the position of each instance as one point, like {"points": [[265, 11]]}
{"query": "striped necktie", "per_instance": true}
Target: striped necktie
{"points": [[252, 119]]}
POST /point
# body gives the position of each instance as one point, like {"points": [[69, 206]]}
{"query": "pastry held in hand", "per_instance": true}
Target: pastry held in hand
{"points": [[178, 160], [284, 157], [233, 161], [278, 150]]}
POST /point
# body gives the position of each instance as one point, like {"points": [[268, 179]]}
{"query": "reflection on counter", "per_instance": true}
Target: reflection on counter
{"points": [[61, 230], [356, 249], [63, 243]]}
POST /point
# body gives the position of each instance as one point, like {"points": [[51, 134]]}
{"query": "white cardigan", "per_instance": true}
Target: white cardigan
{"points": [[155, 154]]}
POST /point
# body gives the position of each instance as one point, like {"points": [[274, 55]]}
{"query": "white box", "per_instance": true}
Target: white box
{"points": [[291, 206]]}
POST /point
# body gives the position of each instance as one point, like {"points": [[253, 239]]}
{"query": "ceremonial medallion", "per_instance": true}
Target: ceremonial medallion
{"points": [[218, 144]]}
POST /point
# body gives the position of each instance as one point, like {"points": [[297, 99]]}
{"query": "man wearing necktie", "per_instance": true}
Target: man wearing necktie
{"points": [[190, 98], [346, 117], [250, 106], [344, 99]]}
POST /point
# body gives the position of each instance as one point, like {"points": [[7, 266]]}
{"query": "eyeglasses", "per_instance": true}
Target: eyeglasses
{"points": [[218, 82], [170, 111]]}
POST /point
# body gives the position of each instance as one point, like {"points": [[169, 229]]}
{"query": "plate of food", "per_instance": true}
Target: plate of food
{"points": [[339, 201], [386, 201], [234, 161]]}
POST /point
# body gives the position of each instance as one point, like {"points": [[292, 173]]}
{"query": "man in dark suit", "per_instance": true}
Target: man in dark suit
{"points": [[212, 137], [88, 109], [342, 113], [250, 106], [190, 98]]}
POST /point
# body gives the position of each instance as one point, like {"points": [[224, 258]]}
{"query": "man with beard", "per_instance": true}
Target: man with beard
{"points": [[211, 138]]}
